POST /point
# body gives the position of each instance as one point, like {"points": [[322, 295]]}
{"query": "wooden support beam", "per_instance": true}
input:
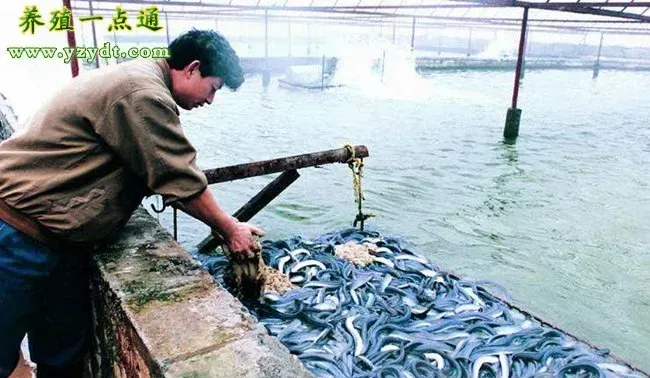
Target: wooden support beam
{"points": [[252, 207], [242, 171]]}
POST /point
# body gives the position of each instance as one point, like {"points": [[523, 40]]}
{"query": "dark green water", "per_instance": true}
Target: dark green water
{"points": [[561, 219]]}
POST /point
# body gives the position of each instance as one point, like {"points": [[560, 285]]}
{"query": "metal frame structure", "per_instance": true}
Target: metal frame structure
{"points": [[604, 16]]}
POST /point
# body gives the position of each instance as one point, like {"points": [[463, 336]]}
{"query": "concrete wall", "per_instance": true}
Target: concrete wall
{"points": [[159, 314]]}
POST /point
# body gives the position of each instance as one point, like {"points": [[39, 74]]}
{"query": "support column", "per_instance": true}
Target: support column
{"points": [[92, 24], [72, 43], [289, 34], [413, 35], [308, 40], [393, 33], [322, 74], [513, 116], [523, 64], [167, 27], [597, 65], [266, 76]]}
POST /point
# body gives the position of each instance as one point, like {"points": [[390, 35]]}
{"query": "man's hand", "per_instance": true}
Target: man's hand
{"points": [[239, 236], [242, 242]]}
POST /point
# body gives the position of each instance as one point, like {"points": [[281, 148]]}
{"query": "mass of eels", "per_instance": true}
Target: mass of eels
{"points": [[400, 316]]}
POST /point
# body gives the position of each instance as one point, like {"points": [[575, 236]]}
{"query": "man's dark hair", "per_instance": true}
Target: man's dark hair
{"points": [[214, 52]]}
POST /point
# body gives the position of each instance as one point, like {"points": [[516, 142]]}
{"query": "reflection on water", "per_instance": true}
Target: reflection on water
{"points": [[559, 218]]}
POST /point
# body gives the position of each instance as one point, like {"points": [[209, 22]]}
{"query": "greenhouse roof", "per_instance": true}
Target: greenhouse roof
{"points": [[624, 17]]}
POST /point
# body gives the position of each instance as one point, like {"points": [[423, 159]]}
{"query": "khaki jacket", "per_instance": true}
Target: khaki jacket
{"points": [[89, 156]]}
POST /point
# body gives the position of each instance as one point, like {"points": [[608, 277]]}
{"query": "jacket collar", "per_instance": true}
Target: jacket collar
{"points": [[166, 71]]}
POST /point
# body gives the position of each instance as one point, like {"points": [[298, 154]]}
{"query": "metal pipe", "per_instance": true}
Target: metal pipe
{"points": [[520, 57], [289, 34], [266, 76], [477, 22], [72, 43], [322, 74], [266, 37], [383, 64], [175, 216], [254, 205], [413, 35], [259, 168], [167, 27], [469, 43], [586, 8], [597, 65], [92, 25], [475, 4], [526, 50], [308, 40]]}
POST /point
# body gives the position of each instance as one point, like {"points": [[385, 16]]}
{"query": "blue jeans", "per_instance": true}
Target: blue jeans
{"points": [[43, 293]]}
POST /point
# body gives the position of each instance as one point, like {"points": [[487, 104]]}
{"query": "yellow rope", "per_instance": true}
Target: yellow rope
{"points": [[356, 165]]}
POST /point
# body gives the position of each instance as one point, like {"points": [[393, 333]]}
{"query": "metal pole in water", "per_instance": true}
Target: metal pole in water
{"points": [[523, 63], [597, 65], [308, 40], [322, 74], [513, 116], [469, 43], [72, 43], [92, 27], [289, 33], [413, 34], [266, 76], [383, 65]]}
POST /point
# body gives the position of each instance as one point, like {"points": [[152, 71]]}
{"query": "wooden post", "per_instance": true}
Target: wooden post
{"points": [[254, 205], [266, 167], [513, 116], [597, 65], [72, 43]]}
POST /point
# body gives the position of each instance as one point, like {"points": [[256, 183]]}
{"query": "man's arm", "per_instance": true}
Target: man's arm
{"points": [[238, 235]]}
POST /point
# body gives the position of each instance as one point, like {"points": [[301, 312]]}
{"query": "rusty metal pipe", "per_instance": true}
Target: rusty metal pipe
{"points": [[259, 168], [520, 57], [72, 43]]}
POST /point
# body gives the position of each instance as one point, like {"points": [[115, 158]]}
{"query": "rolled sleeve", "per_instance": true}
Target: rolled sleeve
{"points": [[144, 130]]}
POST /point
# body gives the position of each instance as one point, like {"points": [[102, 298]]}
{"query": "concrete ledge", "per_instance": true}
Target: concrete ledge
{"points": [[158, 313]]}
